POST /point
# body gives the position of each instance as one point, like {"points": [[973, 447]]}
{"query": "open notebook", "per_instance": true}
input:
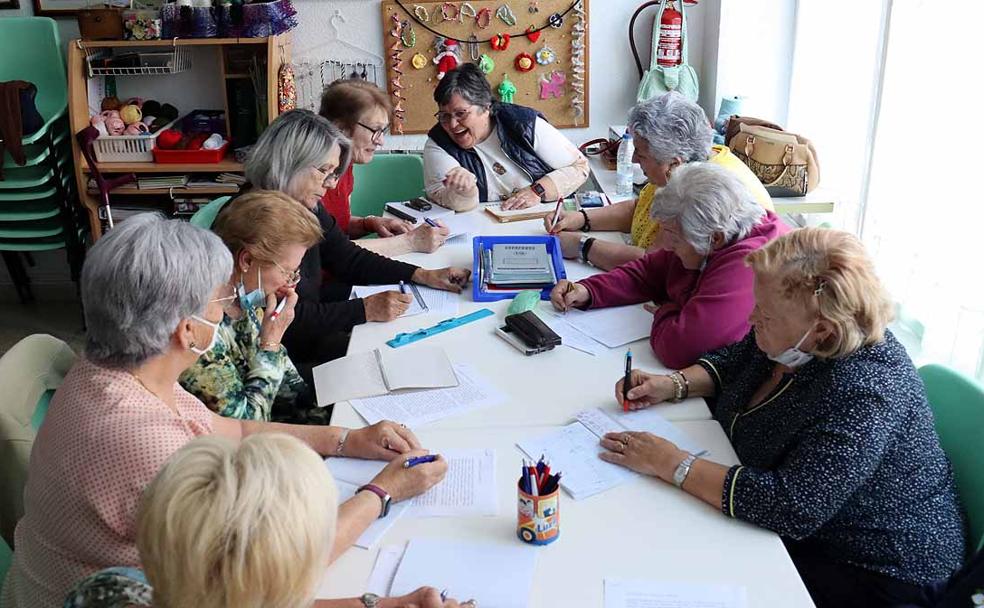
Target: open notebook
{"points": [[377, 372]]}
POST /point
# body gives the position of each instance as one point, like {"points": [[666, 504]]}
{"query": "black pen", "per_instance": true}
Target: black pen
{"points": [[625, 382]]}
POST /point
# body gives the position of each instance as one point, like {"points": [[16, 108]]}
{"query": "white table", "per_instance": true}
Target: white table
{"points": [[642, 529], [544, 389]]}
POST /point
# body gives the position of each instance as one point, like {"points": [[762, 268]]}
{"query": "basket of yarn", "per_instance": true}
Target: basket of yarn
{"points": [[128, 130]]}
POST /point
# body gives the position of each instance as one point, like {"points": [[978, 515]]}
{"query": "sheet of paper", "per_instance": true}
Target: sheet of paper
{"points": [[443, 304], [496, 575], [573, 450], [651, 421], [377, 528], [416, 408], [613, 327], [416, 366], [621, 593], [570, 336], [463, 227], [416, 306], [468, 488], [384, 570], [355, 375]]}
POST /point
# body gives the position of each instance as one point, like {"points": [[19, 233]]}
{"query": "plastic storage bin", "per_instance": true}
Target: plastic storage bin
{"points": [[127, 148]]}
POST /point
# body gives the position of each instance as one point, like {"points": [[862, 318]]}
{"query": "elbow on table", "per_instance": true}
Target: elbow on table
{"points": [[672, 352]]}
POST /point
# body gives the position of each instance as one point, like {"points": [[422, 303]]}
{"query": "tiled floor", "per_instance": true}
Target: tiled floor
{"points": [[60, 318]]}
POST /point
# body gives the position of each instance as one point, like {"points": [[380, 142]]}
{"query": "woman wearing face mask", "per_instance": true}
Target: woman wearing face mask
{"points": [[362, 111], [247, 374], [302, 155], [830, 422], [698, 284], [668, 132], [153, 292], [483, 150]]}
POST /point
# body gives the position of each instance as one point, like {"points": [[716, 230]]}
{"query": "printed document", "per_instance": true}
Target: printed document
{"points": [[425, 299], [380, 371], [620, 593]]}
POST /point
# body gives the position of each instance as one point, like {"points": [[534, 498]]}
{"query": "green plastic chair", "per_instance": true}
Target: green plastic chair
{"points": [[205, 216], [31, 51], [6, 558], [389, 177], [958, 407]]}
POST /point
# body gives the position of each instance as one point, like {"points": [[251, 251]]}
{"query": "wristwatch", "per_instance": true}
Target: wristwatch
{"points": [[683, 469], [383, 496], [539, 190], [370, 600]]}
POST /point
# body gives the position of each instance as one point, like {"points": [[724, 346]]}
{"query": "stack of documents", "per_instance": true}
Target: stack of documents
{"points": [[518, 266], [377, 372], [574, 449], [161, 182], [425, 299]]}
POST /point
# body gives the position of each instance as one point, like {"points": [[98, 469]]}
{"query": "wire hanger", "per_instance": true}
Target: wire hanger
{"points": [[332, 39]]}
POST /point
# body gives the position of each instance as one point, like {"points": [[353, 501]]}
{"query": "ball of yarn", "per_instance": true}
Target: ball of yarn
{"points": [[137, 128], [130, 114], [115, 125], [110, 103]]}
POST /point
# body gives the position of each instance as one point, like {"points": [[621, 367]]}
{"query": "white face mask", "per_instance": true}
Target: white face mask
{"points": [[211, 343], [794, 357]]}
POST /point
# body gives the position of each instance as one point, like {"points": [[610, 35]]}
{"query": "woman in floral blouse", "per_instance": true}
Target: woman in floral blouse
{"points": [[248, 374]]}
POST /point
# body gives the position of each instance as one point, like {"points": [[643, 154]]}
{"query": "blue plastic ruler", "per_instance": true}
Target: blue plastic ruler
{"points": [[445, 325]]}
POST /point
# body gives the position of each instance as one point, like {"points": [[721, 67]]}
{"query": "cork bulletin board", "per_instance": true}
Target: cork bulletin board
{"points": [[417, 35]]}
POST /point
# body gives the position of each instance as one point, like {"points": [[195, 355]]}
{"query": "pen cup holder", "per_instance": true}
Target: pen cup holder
{"points": [[539, 517]]}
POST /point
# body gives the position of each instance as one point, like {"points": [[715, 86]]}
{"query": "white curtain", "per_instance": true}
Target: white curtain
{"points": [[889, 90]]}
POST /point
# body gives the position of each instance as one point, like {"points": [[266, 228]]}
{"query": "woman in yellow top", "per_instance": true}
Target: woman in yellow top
{"points": [[668, 131]]}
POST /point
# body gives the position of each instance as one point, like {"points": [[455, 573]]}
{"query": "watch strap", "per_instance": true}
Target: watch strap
{"points": [[586, 249], [538, 189], [383, 497]]}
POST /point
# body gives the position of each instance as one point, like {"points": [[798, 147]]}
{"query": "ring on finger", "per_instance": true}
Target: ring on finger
{"points": [[621, 446], [626, 440]]}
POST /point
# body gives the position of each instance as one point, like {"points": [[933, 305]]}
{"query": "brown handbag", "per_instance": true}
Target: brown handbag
{"points": [[784, 162]]}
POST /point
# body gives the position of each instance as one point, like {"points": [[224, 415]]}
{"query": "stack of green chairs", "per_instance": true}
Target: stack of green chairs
{"points": [[39, 208], [389, 177]]}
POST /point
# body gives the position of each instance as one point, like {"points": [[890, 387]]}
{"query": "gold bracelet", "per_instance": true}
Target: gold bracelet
{"points": [[686, 383], [678, 384], [271, 346]]}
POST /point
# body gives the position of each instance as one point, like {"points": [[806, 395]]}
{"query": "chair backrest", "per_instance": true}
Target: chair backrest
{"points": [[31, 51], [205, 216], [6, 558], [389, 177], [28, 371], [958, 408]]}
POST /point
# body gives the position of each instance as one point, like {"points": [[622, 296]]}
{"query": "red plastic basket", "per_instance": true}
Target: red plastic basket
{"points": [[190, 156]]}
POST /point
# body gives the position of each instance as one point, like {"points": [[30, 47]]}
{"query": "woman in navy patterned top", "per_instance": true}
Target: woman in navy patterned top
{"points": [[830, 420]]}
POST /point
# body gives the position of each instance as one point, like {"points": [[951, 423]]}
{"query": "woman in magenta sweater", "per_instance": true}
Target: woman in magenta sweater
{"points": [[697, 280]]}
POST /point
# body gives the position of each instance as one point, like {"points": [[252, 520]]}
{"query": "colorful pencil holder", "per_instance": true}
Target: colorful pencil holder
{"points": [[539, 517]]}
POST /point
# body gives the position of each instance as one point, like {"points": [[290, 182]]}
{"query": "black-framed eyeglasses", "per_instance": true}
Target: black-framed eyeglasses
{"points": [[377, 134], [330, 178], [458, 115]]}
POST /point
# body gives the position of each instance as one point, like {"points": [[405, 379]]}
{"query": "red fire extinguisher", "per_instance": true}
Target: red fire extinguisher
{"points": [[670, 46]]}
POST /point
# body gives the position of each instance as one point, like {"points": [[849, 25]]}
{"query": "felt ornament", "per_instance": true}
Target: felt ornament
{"points": [[532, 34], [137, 128], [169, 139], [421, 13], [552, 84], [500, 42], [506, 15], [418, 61], [524, 62], [546, 56], [484, 18], [486, 64], [556, 20], [130, 114], [447, 57], [467, 10], [408, 37], [110, 103], [507, 90], [450, 12]]}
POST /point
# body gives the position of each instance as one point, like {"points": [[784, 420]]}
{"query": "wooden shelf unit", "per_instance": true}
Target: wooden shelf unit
{"points": [[277, 52]]}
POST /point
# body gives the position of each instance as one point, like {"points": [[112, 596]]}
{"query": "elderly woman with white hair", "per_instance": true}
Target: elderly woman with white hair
{"points": [[303, 155], [244, 524], [829, 419], [698, 283], [153, 292], [668, 131]]}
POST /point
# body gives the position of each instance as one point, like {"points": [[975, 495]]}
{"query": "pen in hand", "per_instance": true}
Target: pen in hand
{"points": [[403, 287], [626, 380], [556, 217], [567, 291], [415, 460]]}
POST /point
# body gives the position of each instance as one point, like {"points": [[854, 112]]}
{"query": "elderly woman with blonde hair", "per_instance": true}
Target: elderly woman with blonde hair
{"points": [[831, 424], [227, 524]]}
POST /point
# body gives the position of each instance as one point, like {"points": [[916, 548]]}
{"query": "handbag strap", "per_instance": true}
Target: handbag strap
{"points": [[632, 43]]}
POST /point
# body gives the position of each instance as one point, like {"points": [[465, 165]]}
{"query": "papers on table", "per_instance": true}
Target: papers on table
{"points": [[574, 449], [419, 407], [613, 327], [463, 227], [377, 528], [498, 575], [467, 490], [380, 371], [384, 571], [570, 336], [620, 593], [425, 299]]}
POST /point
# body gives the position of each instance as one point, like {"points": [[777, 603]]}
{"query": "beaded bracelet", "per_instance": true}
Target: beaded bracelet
{"points": [[686, 383], [679, 388], [587, 221]]}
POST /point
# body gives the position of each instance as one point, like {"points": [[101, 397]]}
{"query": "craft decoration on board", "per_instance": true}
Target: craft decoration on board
{"points": [[507, 90], [484, 18], [418, 61], [546, 56], [450, 12], [524, 62], [577, 63], [467, 12], [534, 6], [474, 51], [533, 34], [396, 82], [506, 15], [486, 64], [552, 84], [420, 12], [286, 89], [408, 36], [500, 42], [447, 57], [556, 20]]}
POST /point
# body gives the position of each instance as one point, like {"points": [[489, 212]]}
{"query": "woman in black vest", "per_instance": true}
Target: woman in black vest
{"points": [[482, 150]]}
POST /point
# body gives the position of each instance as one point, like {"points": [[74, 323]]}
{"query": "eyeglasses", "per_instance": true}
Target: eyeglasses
{"points": [[377, 134], [293, 277], [331, 179], [459, 115]]}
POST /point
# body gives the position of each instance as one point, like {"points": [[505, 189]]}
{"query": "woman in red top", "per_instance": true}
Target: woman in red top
{"points": [[362, 111]]}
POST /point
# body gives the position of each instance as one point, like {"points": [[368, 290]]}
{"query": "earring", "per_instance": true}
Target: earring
{"points": [[192, 345]]}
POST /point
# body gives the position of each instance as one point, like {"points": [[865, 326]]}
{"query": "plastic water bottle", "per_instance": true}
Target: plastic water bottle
{"points": [[623, 181]]}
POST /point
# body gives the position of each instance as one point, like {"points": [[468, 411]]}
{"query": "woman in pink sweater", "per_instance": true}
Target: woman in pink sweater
{"points": [[695, 275]]}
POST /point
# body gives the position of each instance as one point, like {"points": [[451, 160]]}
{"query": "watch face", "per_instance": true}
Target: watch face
{"points": [[539, 189], [370, 600]]}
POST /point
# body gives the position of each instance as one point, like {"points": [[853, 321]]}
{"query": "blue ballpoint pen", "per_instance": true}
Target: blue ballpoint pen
{"points": [[403, 287], [431, 222], [415, 460]]}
